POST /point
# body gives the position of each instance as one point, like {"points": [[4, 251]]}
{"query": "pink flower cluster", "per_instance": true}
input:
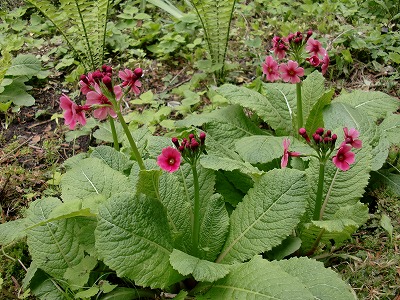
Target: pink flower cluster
{"points": [[324, 144], [189, 149], [294, 46], [97, 86]]}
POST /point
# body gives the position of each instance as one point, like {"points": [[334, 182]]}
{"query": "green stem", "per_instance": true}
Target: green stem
{"points": [[114, 133], [320, 190], [132, 143], [196, 217], [299, 106]]}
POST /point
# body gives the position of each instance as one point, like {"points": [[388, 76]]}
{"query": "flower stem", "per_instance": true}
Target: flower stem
{"points": [[132, 143], [114, 133], [299, 106], [196, 212], [320, 190]]}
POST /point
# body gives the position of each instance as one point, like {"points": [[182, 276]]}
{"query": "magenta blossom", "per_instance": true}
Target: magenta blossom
{"points": [[291, 72], [271, 69], [314, 60], [351, 137], [287, 153], [279, 46], [325, 64], [169, 160], [96, 97], [344, 157], [131, 79], [73, 113], [314, 47], [87, 83]]}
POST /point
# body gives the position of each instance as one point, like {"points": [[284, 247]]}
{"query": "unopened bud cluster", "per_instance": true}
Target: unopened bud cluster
{"points": [[190, 147], [323, 141]]}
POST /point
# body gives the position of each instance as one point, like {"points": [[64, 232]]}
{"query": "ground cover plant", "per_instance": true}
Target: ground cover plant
{"points": [[241, 197]]}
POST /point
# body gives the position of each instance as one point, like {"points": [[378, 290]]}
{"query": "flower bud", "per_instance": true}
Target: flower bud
{"points": [[319, 131], [84, 79], [175, 142], [108, 82], [334, 137], [191, 136], [317, 138], [138, 72], [202, 138]]}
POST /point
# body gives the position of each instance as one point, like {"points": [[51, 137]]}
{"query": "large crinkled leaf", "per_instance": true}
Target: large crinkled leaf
{"points": [[202, 270], [24, 65], [257, 279], [174, 196], [341, 188], [391, 128], [233, 186], [266, 216], [312, 90], [274, 108], [46, 288], [213, 228], [92, 177], [338, 229], [390, 180], [374, 104], [219, 163], [323, 283], [225, 125], [54, 247], [113, 158], [380, 151], [263, 149], [12, 231], [133, 238]]}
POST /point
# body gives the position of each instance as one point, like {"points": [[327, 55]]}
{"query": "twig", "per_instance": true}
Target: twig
{"points": [[15, 149]]}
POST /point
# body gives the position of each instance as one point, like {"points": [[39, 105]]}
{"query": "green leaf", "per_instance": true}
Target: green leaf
{"points": [[311, 91], [219, 163], [12, 231], [115, 159], [323, 283], [391, 181], [46, 288], [380, 151], [264, 149], [289, 246], [104, 132], [258, 224], [93, 178], [257, 279], [391, 128], [375, 104], [16, 92], [122, 293], [133, 238], [275, 108], [202, 270], [54, 247], [315, 118], [387, 225], [88, 293], [148, 182], [24, 65], [77, 276]]}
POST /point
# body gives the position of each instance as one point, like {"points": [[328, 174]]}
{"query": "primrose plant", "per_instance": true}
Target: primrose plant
{"points": [[189, 216]]}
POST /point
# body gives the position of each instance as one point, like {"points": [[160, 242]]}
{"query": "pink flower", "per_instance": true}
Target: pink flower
{"points": [[344, 157], [351, 137], [279, 46], [314, 47], [270, 69], [131, 79], [287, 153], [96, 97], [86, 83], [291, 72], [325, 64], [314, 60], [169, 160], [73, 112]]}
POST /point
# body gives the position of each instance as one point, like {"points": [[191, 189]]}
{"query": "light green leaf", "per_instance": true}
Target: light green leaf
{"points": [[274, 108], [88, 293], [12, 231], [24, 65], [391, 128], [202, 270], [133, 238], [92, 177], [392, 181], [324, 284], [387, 225], [46, 288], [104, 133], [54, 247], [263, 149], [289, 246], [16, 92], [375, 104], [257, 279], [121, 293], [115, 159], [315, 118], [77, 276], [258, 223], [312, 90], [219, 163], [380, 151], [148, 182]]}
